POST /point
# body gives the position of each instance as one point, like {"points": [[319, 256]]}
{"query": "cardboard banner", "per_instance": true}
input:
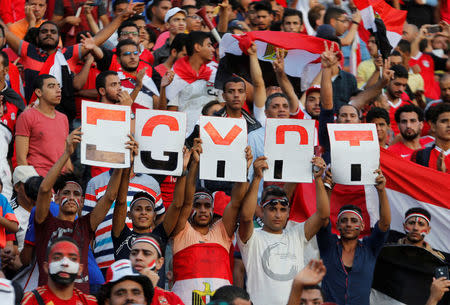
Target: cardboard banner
{"points": [[161, 136], [355, 153], [224, 142], [289, 148], [105, 130]]}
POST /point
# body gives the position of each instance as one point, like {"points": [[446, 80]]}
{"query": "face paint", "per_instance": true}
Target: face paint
{"points": [[65, 200], [152, 265], [64, 265]]}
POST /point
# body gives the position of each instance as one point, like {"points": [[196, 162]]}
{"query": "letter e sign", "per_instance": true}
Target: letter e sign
{"points": [[224, 141]]}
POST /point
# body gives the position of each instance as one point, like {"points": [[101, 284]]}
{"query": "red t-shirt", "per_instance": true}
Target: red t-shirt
{"points": [[167, 190], [404, 151], [162, 69], [392, 111], [426, 64], [9, 117], [52, 228], [47, 137], [164, 297], [78, 298]]}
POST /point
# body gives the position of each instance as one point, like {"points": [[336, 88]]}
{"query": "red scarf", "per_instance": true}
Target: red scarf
{"points": [[184, 70]]}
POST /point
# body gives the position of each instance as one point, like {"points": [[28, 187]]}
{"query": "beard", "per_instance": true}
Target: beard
{"points": [[63, 280], [47, 46], [410, 137], [111, 98], [129, 69]]}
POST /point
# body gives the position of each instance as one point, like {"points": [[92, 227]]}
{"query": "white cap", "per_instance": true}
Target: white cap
{"points": [[119, 270], [174, 10], [23, 172]]}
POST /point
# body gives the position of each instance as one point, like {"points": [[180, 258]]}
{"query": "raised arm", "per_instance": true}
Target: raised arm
{"points": [[250, 200], [348, 39], [329, 59], [259, 89], [322, 214], [311, 275], [165, 81], [45, 190], [12, 40], [237, 193], [190, 186], [104, 204], [284, 82], [174, 209], [120, 207], [385, 210]]}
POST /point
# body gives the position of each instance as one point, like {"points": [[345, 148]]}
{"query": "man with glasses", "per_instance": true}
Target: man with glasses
{"points": [[338, 19], [193, 21], [274, 254]]}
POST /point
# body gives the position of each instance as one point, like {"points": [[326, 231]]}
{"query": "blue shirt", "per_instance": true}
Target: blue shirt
{"points": [[95, 275], [352, 288], [256, 143]]}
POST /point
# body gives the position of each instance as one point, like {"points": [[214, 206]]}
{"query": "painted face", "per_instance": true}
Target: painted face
{"points": [[64, 262], [349, 225], [70, 198], [145, 255], [416, 228], [202, 211]]}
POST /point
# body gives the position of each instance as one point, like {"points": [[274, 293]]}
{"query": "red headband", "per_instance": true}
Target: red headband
{"points": [[149, 240]]}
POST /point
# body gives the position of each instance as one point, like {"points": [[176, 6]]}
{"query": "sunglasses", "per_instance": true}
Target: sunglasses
{"points": [[273, 202], [125, 33], [129, 53]]}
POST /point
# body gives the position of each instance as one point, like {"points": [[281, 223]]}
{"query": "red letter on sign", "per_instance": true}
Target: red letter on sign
{"points": [[151, 124], [217, 138], [353, 136], [282, 129], [94, 114]]}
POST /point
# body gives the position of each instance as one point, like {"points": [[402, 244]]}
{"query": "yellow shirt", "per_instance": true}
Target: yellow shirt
{"points": [[364, 72]]}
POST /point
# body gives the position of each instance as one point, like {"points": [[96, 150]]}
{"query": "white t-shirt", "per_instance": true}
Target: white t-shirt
{"points": [[272, 261], [23, 216]]}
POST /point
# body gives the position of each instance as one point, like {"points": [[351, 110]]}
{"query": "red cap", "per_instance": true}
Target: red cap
{"points": [[315, 88]]}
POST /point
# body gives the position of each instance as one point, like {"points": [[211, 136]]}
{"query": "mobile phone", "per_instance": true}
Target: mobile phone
{"points": [[441, 272], [434, 29]]}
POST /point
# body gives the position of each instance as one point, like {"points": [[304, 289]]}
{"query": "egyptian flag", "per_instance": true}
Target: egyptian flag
{"points": [[303, 55], [144, 98], [185, 75], [393, 20]]}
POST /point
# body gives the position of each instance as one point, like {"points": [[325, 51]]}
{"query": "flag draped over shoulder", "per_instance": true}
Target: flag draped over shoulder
{"points": [[303, 54], [392, 18]]}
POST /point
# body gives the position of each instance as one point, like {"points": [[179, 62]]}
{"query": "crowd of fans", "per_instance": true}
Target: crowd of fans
{"points": [[77, 234]]}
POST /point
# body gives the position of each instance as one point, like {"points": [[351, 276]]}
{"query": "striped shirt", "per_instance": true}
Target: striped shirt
{"points": [[96, 188]]}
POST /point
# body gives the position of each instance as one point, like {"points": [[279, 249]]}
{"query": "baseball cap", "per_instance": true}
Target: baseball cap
{"points": [[120, 270], [326, 31], [23, 172], [315, 88], [170, 13]]}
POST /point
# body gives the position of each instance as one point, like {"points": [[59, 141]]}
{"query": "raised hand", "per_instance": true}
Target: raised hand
{"points": [[329, 56], [140, 76], [319, 167], [125, 98], [380, 180], [259, 166], [388, 74], [278, 63], [197, 150], [88, 42], [167, 79], [72, 140], [252, 50], [133, 146], [186, 157], [248, 156], [312, 274]]}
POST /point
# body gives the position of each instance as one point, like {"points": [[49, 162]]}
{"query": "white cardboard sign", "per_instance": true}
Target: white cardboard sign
{"points": [[223, 142], [161, 136], [105, 130], [355, 153], [289, 148]]}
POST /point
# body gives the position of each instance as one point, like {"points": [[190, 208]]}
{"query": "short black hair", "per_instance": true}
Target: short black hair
{"points": [[332, 13], [117, 2], [404, 46], [275, 95], [187, 7], [291, 12], [157, 238], [229, 293], [233, 79], [263, 6], [377, 113], [272, 190], [5, 58], [208, 105], [395, 53], [314, 14], [315, 287], [100, 80], [148, 11], [418, 210], [400, 71], [49, 22], [136, 17], [31, 187], [193, 38], [39, 81], [64, 178], [31, 35], [358, 112], [104, 293], [178, 42], [408, 108], [123, 43], [143, 194], [61, 239], [125, 24], [437, 110]]}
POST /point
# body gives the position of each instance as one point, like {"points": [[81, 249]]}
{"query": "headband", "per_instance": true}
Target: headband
{"points": [[275, 199], [149, 240], [142, 198], [418, 215], [350, 211], [203, 195], [76, 183]]}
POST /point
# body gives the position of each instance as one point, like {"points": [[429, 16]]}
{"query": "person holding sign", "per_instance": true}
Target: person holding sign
{"points": [[274, 255], [69, 195], [201, 262], [350, 262]]}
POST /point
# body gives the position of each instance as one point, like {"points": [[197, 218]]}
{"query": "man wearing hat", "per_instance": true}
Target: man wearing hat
{"points": [[124, 285], [62, 266], [147, 257], [175, 20]]}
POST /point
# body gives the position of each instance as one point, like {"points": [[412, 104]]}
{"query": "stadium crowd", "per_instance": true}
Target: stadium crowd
{"points": [[77, 234]]}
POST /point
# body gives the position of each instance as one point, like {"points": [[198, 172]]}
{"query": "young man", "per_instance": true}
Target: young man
{"points": [[274, 255], [409, 119], [147, 257], [62, 265], [69, 196], [292, 21], [367, 67], [109, 89], [201, 260], [156, 12], [125, 286], [380, 117], [177, 51], [41, 131], [193, 83], [438, 155], [264, 16], [339, 20], [350, 262], [305, 289]]}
